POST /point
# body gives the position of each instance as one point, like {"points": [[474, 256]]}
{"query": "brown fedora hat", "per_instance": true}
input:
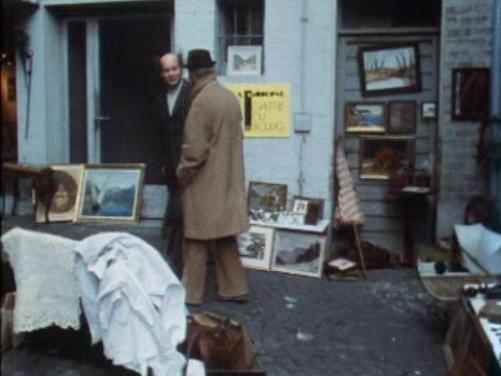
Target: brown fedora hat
{"points": [[199, 58]]}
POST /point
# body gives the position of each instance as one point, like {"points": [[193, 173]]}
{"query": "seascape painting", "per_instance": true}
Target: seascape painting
{"points": [[111, 193], [361, 117]]}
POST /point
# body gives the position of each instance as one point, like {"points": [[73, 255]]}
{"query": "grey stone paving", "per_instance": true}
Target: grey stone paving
{"points": [[384, 325]]}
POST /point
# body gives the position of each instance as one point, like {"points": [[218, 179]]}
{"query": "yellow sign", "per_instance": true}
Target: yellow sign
{"points": [[265, 109]]}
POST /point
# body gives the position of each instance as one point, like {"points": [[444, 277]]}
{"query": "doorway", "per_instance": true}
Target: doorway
{"points": [[112, 83]]}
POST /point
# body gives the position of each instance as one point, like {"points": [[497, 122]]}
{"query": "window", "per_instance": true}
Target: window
{"points": [[357, 14], [241, 24]]}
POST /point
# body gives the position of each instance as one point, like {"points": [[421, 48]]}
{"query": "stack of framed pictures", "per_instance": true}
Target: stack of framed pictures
{"points": [[273, 249], [97, 193], [290, 241]]}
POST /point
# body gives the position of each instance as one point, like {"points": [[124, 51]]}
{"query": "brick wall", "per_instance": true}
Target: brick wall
{"points": [[466, 41]]}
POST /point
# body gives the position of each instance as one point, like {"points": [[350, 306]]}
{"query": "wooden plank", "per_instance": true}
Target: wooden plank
{"points": [[352, 44], [427, 65], [380, 208], [392, 242], [355, 95], [373, 192], [351, 144], [390, 32], [383, 225], [353, 83]]}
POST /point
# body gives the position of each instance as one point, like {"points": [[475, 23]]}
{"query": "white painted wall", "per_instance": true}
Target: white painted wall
{"points": [[305, 61], [312, 85], [32, 148]]}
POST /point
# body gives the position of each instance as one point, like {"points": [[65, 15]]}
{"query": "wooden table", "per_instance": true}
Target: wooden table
{"points": [[471, 348]]}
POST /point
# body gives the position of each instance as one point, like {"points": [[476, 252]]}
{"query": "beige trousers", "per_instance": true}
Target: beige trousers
{"points": [[230, 275]]}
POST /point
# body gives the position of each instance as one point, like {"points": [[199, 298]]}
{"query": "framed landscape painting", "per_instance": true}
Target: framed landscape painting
{"points": [[244, 60], [365, 117], [389, 69], [255, 247], [380, 156], [111, 193], [298, 253], [67, 180]]}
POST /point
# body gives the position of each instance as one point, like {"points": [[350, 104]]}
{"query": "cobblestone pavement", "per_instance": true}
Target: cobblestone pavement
{"points": [[383, 325]]}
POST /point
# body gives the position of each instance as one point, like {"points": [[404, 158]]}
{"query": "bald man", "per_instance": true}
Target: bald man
{"points": [[171, 108]]}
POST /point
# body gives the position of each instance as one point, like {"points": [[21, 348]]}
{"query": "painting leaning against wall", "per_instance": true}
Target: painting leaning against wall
{"points": [[110, 193]]}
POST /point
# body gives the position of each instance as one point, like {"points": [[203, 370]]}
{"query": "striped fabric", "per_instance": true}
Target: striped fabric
{"points": [[347, 209]]}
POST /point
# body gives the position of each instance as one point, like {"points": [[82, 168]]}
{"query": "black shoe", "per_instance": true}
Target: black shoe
{"points": [[239, 299]]}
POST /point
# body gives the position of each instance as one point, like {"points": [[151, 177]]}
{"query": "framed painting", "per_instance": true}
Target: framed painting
{"points": [[255, 247], [389, 69], [380, 156], [111, 193], [470, 94], [311, 209], [429, 110], [67, 180], [402, 117], [266, 198], [244, 60], [298, 253], [365, 117]]}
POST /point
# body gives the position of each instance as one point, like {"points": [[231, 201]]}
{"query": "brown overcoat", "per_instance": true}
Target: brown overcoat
{"points": [[211, 169]]}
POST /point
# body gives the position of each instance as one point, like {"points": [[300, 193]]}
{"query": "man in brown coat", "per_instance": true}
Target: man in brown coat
{"points": [[211, 172]]}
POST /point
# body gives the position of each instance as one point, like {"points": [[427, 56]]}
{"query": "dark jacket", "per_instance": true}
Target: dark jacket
{"points": [[171, 130]]}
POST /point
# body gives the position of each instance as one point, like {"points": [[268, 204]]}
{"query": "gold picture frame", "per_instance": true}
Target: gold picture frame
{"points": [[111, 193], [365, 117], [380, 156]]}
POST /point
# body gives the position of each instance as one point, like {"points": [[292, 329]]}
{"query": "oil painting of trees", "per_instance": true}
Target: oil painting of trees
{"points": [[389, 69]]}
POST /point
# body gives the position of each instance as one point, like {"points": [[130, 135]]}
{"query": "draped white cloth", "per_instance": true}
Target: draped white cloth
{"points": [[482, 246], [133, 302], [47, 292]]}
